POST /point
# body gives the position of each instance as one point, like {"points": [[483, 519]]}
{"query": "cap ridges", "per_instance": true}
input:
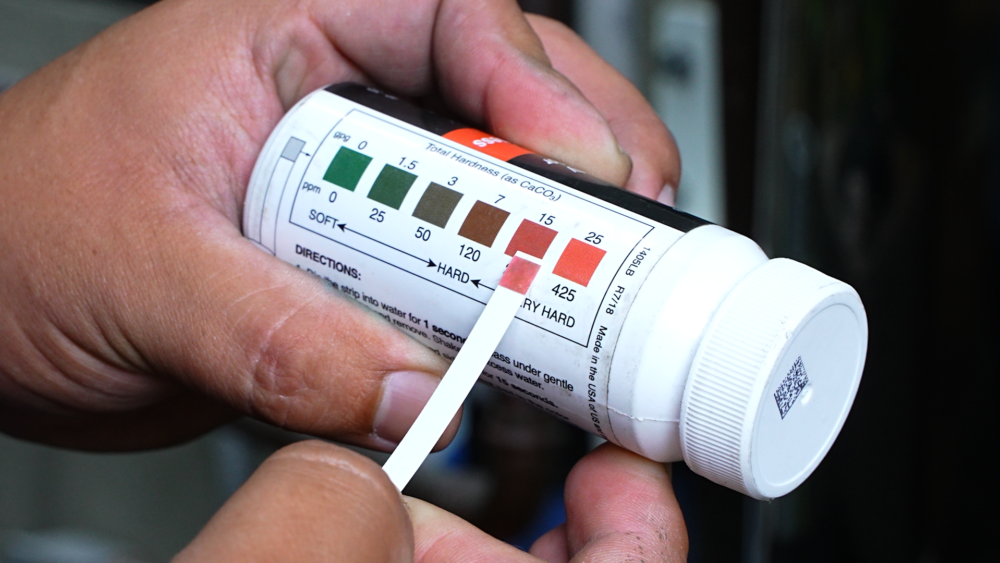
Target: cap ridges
{"points": [[733, 364]]}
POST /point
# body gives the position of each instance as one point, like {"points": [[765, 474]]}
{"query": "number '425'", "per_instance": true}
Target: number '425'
{"points": [[564, 292]]}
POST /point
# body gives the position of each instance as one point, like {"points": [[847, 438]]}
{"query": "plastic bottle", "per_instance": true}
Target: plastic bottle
{"points": [[661, 332]]}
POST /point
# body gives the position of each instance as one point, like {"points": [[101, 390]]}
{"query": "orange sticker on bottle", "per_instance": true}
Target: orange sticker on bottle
{"points": [[486, 143]]}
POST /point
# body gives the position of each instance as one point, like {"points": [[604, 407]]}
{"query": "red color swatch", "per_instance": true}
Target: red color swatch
{"points": [[519, 275], [531, 238], [578, 262]]}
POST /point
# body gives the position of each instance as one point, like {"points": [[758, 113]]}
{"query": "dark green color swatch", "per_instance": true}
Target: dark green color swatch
{"points": [[346, 169], [391, 186], [437, 204]]}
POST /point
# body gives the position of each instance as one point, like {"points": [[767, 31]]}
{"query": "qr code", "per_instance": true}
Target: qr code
{"points": [[791, 387]]}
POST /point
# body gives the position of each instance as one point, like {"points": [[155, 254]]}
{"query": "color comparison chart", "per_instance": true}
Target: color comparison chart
{"points": [[448, 215], [577, 263]]}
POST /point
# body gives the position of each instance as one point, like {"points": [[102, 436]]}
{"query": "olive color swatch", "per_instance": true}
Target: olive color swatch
{"points": [[437, 204]]}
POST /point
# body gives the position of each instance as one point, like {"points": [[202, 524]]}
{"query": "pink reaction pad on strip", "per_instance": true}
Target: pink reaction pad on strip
{"points": [[519, 275]]}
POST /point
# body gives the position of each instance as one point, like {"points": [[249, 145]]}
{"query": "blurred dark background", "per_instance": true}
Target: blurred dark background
{"points": [[858, 136]]}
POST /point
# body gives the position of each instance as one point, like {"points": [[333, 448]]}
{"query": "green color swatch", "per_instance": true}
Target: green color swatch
{"points": [[346, 169], [391, 186], [436, 205]]}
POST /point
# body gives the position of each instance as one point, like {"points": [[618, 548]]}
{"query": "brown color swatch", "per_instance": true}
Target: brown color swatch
{"points": [[483, 223]]}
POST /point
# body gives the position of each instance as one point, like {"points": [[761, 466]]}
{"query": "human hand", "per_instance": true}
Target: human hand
{"points": [[317, 502], [132, 311]]}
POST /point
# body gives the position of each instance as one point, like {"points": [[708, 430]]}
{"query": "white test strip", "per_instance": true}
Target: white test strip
{"points": [[433, 420]]}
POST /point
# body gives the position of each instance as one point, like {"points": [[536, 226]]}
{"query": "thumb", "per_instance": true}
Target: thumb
{"points": [[309, 502], [151, 277], [277, 343]]}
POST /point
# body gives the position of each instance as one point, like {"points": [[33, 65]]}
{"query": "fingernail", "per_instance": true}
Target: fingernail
{"points": [[668, 195], [628, 158], [403, 398], [621, 149]]}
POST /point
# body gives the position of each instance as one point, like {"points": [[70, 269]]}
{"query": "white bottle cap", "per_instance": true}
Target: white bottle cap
{"points": [[773, 379]]}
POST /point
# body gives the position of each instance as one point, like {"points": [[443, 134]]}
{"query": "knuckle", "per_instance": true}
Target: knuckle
{"points": [[318, 365], [277, 375]]}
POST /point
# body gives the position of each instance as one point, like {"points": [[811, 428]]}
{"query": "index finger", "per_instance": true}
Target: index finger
{"points": [[656, 164], [482, 57]]}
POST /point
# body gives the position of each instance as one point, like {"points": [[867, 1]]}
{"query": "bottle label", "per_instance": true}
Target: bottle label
{"points": [[417, 217]]}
